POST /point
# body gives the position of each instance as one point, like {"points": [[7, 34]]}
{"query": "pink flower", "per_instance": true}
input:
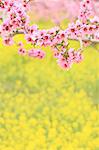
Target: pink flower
{"points": [[62, 62], [72, 29], [56, 53], [20, 44], [28, 38], [84, 29], [41, 54], [66, 59], [8, 41], [71, 53], [22, 51], [86, 43], [31, 29], [36, 53], [78, 57]]}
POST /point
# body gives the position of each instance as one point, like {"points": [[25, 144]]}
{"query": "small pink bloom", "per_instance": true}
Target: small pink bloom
{"points": [[22, 51], [36, 53], [8, 41], [78, 57], [20, 44], [63, 63]]}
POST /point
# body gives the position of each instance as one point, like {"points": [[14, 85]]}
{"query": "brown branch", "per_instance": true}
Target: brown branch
{"points": [[27, 1], [85, 40], [95, 41]]}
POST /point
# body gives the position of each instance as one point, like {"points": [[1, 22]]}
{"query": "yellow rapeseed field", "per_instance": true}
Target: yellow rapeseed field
{"points": [[43, 107]]}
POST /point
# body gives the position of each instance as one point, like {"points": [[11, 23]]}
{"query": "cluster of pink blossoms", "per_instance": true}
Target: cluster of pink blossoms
{"points": [[14, 18], [34, 53], [66, 59], [16, 21]]}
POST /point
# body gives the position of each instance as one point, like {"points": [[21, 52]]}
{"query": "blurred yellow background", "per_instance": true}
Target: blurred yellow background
{"points": [[43, 107]]}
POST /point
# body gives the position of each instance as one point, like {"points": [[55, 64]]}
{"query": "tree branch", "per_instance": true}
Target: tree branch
{"points": [[27, 1], [75, 39], [85, 40]]}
